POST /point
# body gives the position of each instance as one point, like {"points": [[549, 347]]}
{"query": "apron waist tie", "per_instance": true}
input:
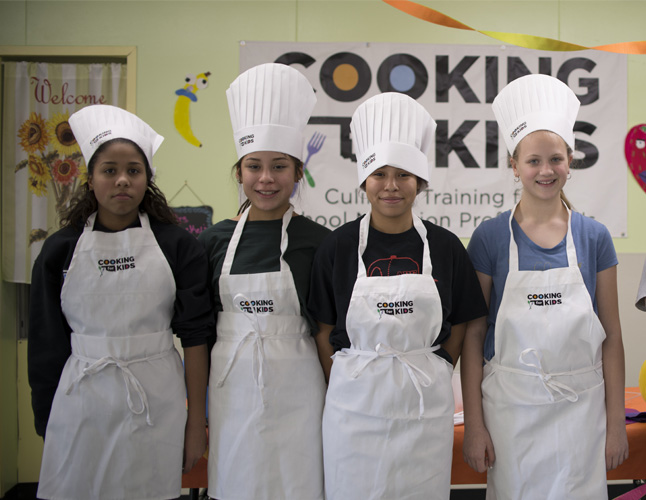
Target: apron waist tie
{"points": [[547, 379], [129, 378], [258, 355], [257, 361], [417, 375]]}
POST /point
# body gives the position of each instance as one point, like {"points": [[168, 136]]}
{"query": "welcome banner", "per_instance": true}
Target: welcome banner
{"points": [[470, 180], [42, 165]]}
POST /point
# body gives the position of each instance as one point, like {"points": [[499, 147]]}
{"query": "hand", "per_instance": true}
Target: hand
{"points": [[194, 444], [616, 446], [478, 449]]}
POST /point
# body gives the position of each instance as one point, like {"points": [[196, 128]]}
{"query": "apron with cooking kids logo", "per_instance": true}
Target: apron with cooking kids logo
{"points": [[543, 390], [116, 428], [266, 388], [388, 418]]}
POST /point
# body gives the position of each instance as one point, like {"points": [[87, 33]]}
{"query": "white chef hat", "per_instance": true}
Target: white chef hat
{"points": [[535, 102], [269, 106], [392, 129], [94, 125], [640, 303]]}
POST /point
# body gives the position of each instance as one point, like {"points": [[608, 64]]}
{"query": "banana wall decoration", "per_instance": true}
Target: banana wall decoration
{"points": [[186, 95]]}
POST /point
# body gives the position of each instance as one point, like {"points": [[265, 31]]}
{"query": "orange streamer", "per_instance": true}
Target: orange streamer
{"points": [[528, 41]]}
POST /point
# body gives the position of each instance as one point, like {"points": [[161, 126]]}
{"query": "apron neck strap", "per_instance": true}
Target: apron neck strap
{"points": [[144, 220], [364, 227], [569, 242], [89, 224], [237, 234]]}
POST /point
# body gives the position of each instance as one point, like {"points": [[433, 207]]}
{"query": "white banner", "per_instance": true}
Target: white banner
{"points": [[470, 181]]}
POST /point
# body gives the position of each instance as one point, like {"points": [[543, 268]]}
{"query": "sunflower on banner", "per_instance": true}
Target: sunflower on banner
{"points": [[54, 158]]}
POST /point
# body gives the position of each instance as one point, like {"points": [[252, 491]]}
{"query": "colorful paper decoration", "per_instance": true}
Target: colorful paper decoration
{"points": [[635, 150], [528, 41], [182, 106]]}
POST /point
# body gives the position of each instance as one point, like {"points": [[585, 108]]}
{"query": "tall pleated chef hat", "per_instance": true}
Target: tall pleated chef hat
{"points": [[94, 125], [536, 102], [392, 129], [269, 106]]}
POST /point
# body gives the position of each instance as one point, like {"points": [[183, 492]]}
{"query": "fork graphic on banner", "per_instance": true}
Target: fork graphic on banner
{"points": [[313, 147]]}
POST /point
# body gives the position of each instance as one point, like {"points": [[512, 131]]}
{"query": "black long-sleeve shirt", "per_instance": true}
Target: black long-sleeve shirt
{"points": [[49, 333]]}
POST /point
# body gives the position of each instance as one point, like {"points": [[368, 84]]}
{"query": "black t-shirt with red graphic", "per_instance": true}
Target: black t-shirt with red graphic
{"points": [[335, 270]]}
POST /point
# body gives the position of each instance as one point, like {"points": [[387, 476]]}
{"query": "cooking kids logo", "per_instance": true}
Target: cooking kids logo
{"points": [[113, 265], [100, 136], [449, 76], [394, 308], [544, 299], [247, 139], [259, 306], [369, 160], [518, 129]]}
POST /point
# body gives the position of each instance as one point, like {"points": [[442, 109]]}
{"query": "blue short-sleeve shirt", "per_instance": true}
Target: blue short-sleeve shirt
{"points": [[489, 252]]}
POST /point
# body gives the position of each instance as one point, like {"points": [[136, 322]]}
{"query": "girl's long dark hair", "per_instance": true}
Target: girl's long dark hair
{"points": [[84, 204]]}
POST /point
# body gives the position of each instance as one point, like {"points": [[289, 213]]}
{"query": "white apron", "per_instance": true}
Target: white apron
{"points": [[543, 390], [388, 419], [116, 429], [266, 388]]}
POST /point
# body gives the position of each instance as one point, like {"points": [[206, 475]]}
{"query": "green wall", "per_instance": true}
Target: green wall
{"points": [[178, 37]]}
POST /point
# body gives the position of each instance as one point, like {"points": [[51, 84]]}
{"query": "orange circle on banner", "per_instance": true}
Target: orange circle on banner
{"points": [[345, 77]]}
